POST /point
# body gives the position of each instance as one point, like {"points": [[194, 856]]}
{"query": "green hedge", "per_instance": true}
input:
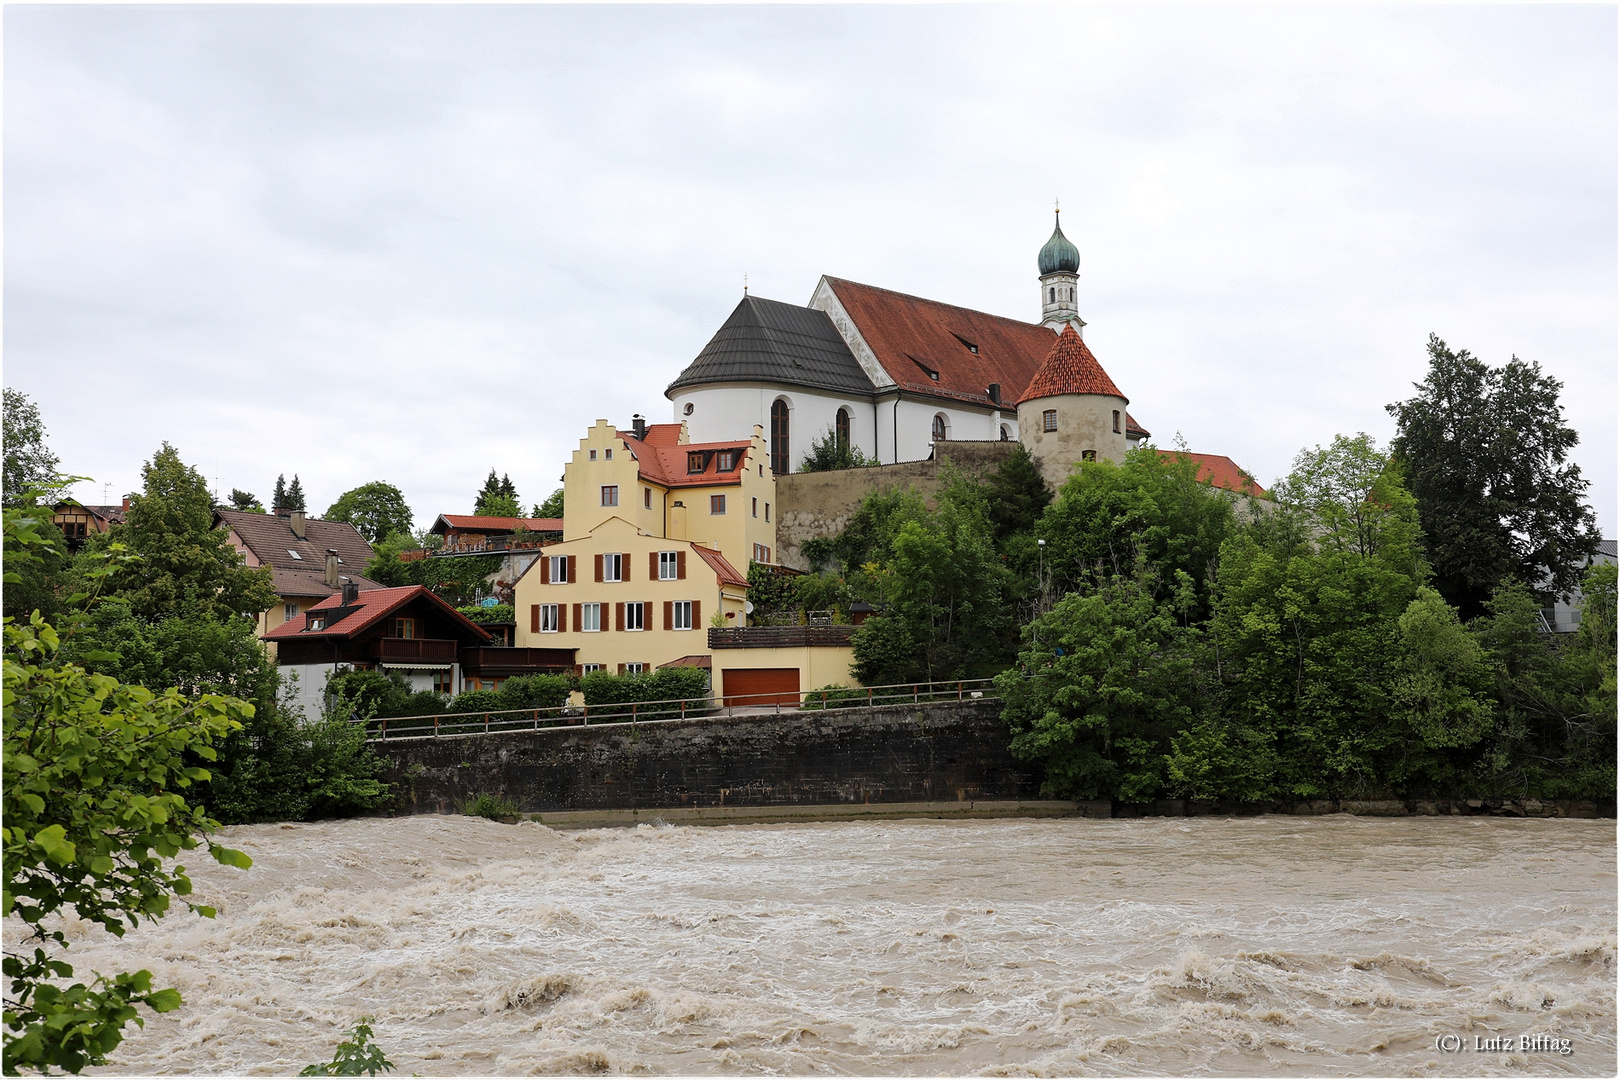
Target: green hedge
{"points": [[690, 685]]}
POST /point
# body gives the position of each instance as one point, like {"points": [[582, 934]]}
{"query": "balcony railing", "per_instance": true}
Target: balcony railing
{"points": [[778, 637], [399, 648]]}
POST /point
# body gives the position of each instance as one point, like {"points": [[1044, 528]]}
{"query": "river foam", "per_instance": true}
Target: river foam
{"points": [[1274, 945]]}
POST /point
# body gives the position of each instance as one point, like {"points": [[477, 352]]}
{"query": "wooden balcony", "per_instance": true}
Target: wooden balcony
{"points": [[779, 637], [398, 649], [500, 662]]}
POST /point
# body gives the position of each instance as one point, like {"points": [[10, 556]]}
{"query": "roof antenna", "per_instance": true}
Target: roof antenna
{"points": [[745, 283]]}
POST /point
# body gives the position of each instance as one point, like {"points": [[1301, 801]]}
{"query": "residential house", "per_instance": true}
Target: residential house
{"points": [[484, 534], [77, 520], [309, 559]]}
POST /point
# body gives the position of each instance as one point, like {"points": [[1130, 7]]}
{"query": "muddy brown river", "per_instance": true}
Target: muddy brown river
{"points": [[1275, 945]]}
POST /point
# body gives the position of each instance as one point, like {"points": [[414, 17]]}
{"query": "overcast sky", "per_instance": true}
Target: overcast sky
{"points": [[412, 243]]}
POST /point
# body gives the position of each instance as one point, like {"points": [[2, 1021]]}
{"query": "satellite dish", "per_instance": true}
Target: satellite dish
{"points": [[748, 607]]}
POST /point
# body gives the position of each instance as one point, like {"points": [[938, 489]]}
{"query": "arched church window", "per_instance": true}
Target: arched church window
{"points": [[779, 437], [1116, 420], [842, 428], [1006, 433], [1051, 295], [939, 427]]}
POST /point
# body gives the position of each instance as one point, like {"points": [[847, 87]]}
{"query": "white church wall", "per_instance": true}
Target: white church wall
{"points": [[730, 412]]}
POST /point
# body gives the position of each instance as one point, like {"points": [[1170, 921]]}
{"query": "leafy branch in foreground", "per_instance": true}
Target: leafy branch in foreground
{"points": [[355, 1055], [93, 809]]}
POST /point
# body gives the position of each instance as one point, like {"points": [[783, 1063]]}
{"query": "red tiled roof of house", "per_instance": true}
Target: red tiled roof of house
{"points": [[499, 524], [1070, 369], [668, 463], [917, 339], [722, 569], [1222, 472], [370, 606], [298, 566], [1133, 430], [663, 435]]}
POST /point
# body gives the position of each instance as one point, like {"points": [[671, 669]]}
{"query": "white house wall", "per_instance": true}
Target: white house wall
{"points": [[730, 412]]}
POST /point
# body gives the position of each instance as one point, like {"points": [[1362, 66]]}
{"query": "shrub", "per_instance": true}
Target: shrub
{"points": [[690, 685], [478, 701], [498, 613], [423, 703], [537, 691], [835, 697], [489, 806]]}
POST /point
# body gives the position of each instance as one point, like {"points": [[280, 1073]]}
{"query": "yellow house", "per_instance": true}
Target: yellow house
{"points": [[658, 533]]}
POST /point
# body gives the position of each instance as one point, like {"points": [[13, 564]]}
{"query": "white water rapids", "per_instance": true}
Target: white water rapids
{"points": [[1276, 945]]}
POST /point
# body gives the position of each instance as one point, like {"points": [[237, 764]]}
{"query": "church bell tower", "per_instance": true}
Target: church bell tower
{"points": [[1060, 277]]}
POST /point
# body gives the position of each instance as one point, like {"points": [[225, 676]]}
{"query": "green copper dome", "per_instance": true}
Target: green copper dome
{"points": [[1059, 255]]}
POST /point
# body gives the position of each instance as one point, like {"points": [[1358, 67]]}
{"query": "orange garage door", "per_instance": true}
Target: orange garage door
{"points": [[760, 686]]}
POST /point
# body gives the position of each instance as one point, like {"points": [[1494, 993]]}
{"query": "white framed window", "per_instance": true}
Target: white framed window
{"points": [[548, 618], [635, 613], [290, 610], [613, 567], [762, 553], [634, 669], [586, 669], [727, 462], [590, 619], [669, 565], [683, 615], [717, 504], [559, 569], [593, 458], [608, 454], [939, 427], [1049, 420], [610, 494]]}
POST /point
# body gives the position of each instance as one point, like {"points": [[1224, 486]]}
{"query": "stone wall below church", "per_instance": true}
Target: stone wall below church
{"points": [[821, 503]]}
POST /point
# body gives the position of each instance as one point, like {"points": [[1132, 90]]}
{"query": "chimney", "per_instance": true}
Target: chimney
{"points": [[638, 424], [331, 568], [351, 593], [296, 520], [126, 504]]}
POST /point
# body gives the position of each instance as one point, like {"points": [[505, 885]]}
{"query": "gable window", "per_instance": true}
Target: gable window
{"points": [[727, 462], [405, 628], [610, 494], [841, 427], [1049, 420], [608, 454], [669, 565], [646, 498], [1116, 421], [593, 455], [635, 614], [779, 437], [939, 427], [694, 461], [681, 615], [559, 569], [317, 622], [717, 504], [548, 618], [613, 567], [590, 618]]}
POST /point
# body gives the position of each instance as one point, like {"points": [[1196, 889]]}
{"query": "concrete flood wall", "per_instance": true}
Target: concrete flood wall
{"points": [[941, 753]]}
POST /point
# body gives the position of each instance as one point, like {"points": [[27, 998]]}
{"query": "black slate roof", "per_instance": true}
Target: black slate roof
{"points": [[769, 341]]}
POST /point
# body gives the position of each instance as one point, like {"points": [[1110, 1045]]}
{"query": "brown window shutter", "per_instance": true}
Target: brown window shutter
{"points": [[621, 666], [652, 566], [562, 618], [545, 570], [572, 574], [534, 618], [625, 562], [576, 617], [669, 614], [697, 614], [598, 568], [680, 566], [618, 616]]}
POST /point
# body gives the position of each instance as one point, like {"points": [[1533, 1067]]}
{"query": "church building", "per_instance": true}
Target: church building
{"points": [[893, 375]]}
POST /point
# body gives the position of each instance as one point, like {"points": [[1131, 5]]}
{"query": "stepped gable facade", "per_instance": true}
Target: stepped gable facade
{"points": [[887, 373]]}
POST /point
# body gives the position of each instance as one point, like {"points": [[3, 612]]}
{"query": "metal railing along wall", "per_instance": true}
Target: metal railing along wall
{"points": [[631, 712]]}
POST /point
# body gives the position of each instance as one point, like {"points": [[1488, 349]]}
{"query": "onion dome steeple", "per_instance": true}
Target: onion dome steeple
{"points": [[1060, 272]]}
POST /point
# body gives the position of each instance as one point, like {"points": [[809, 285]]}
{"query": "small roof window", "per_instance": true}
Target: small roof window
{"points": [[295, 554]]}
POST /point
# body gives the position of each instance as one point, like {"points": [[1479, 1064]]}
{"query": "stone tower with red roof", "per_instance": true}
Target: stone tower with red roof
{"points": [[1072, 411]]}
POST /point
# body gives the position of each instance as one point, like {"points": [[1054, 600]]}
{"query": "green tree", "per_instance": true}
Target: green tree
{"points": [[29, 462], [186, 565], [94, 806], [386, 568], [1486, 452], [1017, 494], [295, 495], [1107, 678], [245, 501], [498, 498], [552, 507], [1151, 506], [278, 499], [377, 510], [829, 452]]}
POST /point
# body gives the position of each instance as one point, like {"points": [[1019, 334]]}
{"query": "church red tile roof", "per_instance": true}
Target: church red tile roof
{"points": [[1070, 369], [916, 339], [1222, 472]]}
